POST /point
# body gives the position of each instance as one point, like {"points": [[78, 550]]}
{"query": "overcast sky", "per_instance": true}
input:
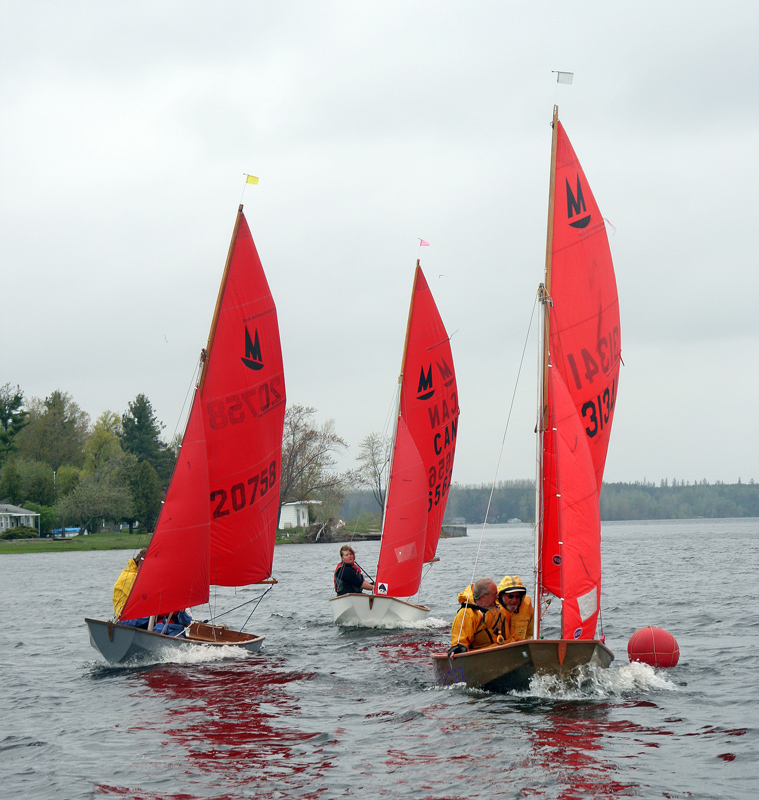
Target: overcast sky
{"points": [[126, 129]]}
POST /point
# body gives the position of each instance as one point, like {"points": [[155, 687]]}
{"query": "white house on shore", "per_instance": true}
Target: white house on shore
{"points": [[13, 516], [295, 515]]}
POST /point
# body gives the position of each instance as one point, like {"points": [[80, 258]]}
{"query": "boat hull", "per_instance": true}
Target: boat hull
{"points": [[509, 667], [121, 643], [374, 611]]}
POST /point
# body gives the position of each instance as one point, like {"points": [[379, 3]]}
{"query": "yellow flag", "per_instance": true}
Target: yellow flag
{"points": [[251, 179]]}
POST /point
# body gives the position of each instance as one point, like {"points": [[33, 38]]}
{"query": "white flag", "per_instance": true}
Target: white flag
{"points": [[564, 77]]}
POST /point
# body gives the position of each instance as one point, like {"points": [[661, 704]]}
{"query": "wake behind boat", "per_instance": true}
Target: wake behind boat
{"points": [[218, 521], [424, 444], [577, 392]]}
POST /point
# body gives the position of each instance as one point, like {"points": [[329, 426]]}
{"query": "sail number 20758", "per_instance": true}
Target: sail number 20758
{"points": [[233, 410], [244, 493]]}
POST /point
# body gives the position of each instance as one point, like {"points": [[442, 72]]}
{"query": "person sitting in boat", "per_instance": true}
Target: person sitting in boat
{"points": [[123, 587], [173, 624], [480, 621], [349, 579], [517, 607]]}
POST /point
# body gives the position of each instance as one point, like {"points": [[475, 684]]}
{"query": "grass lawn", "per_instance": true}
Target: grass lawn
{"points": [[121, 541], [95, 541]]}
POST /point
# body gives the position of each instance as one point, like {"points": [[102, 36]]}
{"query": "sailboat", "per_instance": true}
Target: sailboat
{"points": [[424, 444], [218, 521], [579, 354]]}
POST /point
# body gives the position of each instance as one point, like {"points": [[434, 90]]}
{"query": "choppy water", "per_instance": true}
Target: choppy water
{"points": [[325, 712]]}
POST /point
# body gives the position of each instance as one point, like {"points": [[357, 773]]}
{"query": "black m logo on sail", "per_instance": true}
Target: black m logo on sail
{"points": [[446, 373], [426, 389], [575, 205], [252, 358]]}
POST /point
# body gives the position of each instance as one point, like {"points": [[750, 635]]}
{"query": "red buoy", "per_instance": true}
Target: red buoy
{"points": [[653, 646]]}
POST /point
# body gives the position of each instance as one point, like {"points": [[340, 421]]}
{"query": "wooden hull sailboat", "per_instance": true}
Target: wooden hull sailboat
{"points": [[577, 391], [509, 667], [218, 521], [424, 444]]}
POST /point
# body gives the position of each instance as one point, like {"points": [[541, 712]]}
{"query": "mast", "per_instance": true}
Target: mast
{"points": [[544, 298], [207, 352]]}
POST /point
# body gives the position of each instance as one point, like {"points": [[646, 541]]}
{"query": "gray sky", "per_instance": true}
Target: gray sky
{"points": [[126, 130]]}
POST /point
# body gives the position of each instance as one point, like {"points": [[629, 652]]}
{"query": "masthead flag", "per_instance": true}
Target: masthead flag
{"points": [[564, 77], [422, 243], [250, 178]]}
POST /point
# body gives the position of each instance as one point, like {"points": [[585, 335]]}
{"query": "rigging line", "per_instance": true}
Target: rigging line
{"points": [[364, 571], [242, 605], [258, 599], [500, 454], [193, 383]]}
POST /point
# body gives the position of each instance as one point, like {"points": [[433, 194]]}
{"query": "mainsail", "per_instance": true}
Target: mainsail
{"points": [[243, 396], [581, 374], [584, 325], [423, 451], [218, 522]]}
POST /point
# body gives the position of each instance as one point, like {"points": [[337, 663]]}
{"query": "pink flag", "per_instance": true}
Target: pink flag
{"points": [[422, 243]]}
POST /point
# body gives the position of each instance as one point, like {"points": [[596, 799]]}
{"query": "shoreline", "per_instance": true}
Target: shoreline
{"points": [[123, 541], [134, 541]]}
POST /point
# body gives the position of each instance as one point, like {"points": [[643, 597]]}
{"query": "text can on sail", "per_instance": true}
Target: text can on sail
{"points": [[424, 445]]}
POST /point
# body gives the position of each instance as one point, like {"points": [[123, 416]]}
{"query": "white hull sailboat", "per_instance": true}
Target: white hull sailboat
{"points": [[424, 444], [218, 521], [375, 611], [577, 392]]}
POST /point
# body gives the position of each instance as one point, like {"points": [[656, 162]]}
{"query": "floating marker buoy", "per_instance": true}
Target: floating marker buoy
{"points": [[653, 646]]}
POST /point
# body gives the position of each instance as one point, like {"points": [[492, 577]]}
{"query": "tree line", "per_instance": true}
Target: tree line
{"points": [[54, 462], [515, 500], [619, 501]]}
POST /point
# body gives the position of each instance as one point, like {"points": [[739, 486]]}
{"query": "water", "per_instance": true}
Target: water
{"points": [[325, 712]]}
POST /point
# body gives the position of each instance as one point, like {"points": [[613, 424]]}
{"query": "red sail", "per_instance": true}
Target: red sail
{"points": [[571, 533], [243, 398], [399, 570], [174, 574], [585, 334], [430, 402]]}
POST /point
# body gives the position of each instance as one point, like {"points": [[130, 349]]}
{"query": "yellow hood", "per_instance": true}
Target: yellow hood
{"points": [[467, 596], [511, 582]]}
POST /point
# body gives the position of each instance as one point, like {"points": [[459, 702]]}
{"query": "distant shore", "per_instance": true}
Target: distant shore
{"points": [[126, 541]]}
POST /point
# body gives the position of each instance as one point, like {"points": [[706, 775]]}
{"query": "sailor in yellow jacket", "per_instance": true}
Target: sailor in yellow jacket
{"points": [[517, 607], [480, 622], [125, 582]]}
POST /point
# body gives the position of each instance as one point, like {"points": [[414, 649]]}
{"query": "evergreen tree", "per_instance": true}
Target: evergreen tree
{"points": [[147, 495], [141, 436], [13, 417]]}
